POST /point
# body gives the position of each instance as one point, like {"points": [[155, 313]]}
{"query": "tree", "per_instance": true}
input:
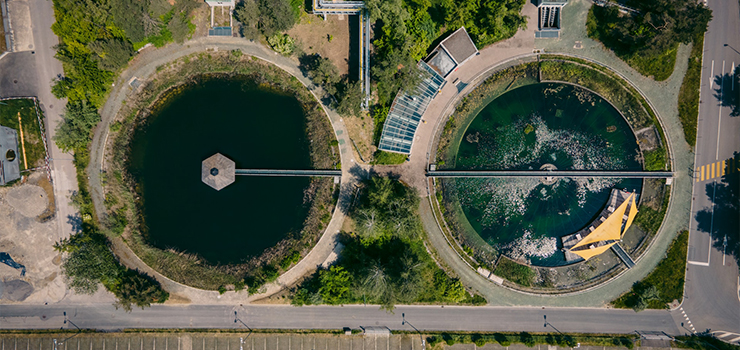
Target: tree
{"points": [[139, 289], [351, 99], [88, 262], [282, 44], [248, 14], [129, 16], [335, 283], [73, 133], [321, 71], [276, 16], [111, 53]]}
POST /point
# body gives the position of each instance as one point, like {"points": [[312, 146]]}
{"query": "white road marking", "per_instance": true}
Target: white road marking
{"points": [[736, 339], [711, 77], [732, 73], [699, 263], [719, 122]]}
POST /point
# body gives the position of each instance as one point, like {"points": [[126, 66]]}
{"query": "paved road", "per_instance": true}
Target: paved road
{"points": [[30, 73], [712, 300], [327, 317]]}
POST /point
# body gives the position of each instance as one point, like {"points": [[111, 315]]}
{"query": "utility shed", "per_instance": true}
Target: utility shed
{"points": [[9, 165], [452, 52]]}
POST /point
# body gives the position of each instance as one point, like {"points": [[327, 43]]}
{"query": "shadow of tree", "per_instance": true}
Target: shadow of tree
{"points": [[723, 223], [76, 222], [724, 92]]}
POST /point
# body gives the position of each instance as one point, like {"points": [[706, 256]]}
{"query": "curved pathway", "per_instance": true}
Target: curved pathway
{"points": [[663, 96], [142, 67]]}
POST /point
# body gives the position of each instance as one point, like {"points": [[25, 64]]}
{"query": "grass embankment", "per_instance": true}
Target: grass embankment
{"points": [[31, 151], [385, 261], [529, 339], [688, 96], [664, 284], [649, 219], [621, 94], [514, 272], [2, 35], [124, 213], [388, 158]]}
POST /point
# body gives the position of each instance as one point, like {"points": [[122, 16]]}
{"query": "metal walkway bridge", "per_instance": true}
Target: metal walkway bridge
{"points": [[280, 172], [550, 173]]}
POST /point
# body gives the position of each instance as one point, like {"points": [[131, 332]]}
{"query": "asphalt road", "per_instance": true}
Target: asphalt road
{"points": [[327, 317], [30, 73], [712, 285]]}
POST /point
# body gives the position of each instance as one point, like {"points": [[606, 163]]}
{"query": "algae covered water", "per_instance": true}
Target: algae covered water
{"points": [[542, 126], [255, 127]]}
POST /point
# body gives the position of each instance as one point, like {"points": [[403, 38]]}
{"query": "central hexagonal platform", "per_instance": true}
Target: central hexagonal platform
{"points": [[218, 171]]}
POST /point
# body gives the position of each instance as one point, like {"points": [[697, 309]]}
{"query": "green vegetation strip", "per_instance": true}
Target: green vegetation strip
{"points": [[384, 261], [124, 213], [514, 272], [563, 340], [688, 96], [33, 144], [388, 158], [664, 284]]}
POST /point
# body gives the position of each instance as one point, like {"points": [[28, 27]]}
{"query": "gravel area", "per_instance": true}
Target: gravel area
{"points": [[29, 200]]}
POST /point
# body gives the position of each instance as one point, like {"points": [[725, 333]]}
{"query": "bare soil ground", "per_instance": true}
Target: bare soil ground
{"points": [[201, 17], [361, 132], [312, 33], [220, 16]]}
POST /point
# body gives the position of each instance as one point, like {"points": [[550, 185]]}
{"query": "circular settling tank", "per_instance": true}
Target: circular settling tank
{"points": [[253, 126], [542, 126]]}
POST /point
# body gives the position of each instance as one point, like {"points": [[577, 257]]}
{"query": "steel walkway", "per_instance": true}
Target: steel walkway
{"points": [[280, 172], [554, 173], [626, 259]]}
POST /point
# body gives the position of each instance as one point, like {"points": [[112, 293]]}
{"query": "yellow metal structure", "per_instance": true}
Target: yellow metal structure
{"points": [[608, 231]]}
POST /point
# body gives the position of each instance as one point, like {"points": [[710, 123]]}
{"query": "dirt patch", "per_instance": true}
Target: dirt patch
{"points": [[360, 131], [328, 38], [15, 290], [221, 16], [177, 299], [29, 200], [202, 20], [41, 179], [648, 138]]}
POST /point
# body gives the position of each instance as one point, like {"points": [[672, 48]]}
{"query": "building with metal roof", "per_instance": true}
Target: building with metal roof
{"points": [[9, 164], [452, 52]]}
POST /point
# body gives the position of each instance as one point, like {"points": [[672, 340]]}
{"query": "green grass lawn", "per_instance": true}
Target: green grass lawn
{"points": [[667, 278], [688, 97], [34, 144], [660, 66], [514, 272], [388, 158]]}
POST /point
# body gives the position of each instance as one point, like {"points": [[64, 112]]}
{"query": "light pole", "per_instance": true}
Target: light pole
{"points": [[68, 338], [423, 341]]}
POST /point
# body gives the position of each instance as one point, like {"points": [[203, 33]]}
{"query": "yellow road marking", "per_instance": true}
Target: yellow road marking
{"points": [[712, 171], [696, 174], [23, 143], [702, 173], [723, 168]]}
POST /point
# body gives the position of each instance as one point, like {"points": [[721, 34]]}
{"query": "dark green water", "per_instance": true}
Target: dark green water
{"points": [[528, 127], [255, 127]]}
